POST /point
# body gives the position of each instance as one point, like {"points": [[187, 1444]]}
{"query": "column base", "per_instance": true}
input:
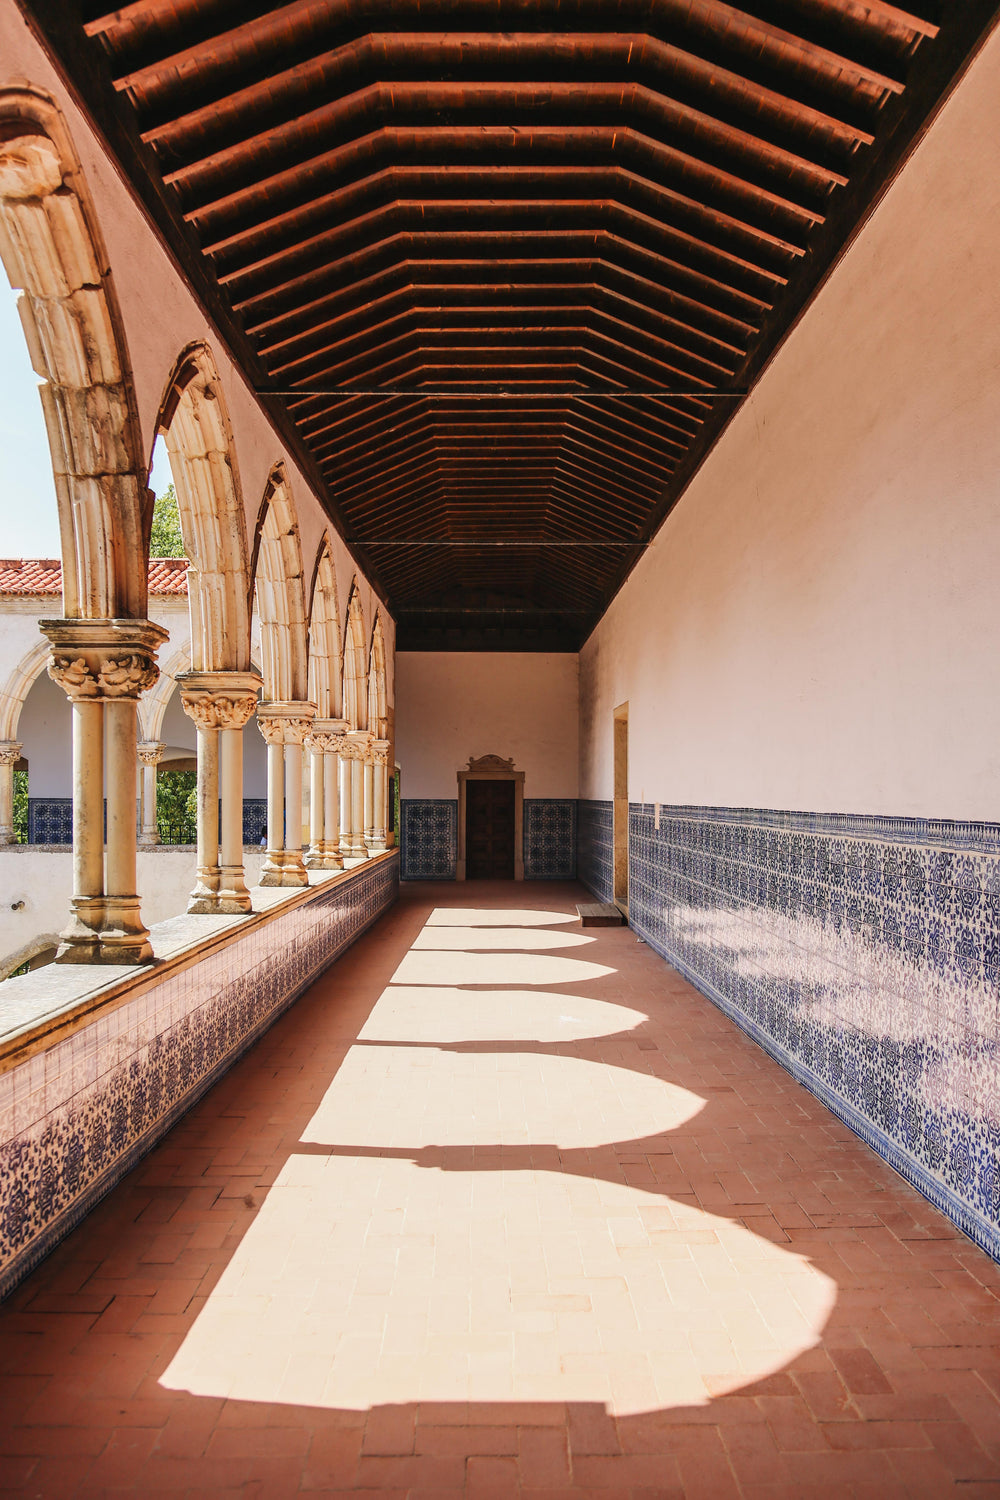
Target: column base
{"points": [[233, 896], [205, 896], [80, 940], [289, 872], [124, 937], [355, 852], [323, 858], [147, 840]]}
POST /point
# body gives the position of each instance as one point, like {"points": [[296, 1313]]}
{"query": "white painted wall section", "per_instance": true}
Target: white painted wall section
{"points": [[816, 625]]}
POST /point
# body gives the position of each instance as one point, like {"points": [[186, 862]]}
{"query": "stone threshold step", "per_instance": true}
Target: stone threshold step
{"points": [[599, 914]]}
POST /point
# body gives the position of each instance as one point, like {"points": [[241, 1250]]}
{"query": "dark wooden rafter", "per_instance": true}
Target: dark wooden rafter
{"points": [[520, 217]]}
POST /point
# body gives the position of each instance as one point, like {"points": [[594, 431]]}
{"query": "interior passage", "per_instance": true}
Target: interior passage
{"points": [[504, 1206]]}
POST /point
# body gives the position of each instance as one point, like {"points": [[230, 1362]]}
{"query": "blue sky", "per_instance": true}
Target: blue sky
{"points": [[28, 523]]}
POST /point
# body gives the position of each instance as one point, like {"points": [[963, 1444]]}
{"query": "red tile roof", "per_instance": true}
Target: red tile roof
{"points": [[43, 575]]}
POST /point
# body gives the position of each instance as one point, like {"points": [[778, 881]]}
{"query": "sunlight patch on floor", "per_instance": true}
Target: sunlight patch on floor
{"points": [[425, 1014], [457, 1225], [366, 1281]]}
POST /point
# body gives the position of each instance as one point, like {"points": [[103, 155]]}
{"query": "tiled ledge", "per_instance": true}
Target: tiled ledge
{"points": [[97, 1064], [44, 1006]]}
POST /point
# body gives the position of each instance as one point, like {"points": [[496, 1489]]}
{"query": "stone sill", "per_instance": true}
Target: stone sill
{"points": [[140, 848], [41, 1008]]}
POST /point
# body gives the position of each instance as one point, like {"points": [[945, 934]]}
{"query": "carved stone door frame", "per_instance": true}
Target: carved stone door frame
{"points": [[492, 768]]}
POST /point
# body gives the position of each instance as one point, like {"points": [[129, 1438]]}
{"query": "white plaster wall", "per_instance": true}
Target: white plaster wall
{"points": [[451, 705], [44, 732], [816, 625], [43, 881], [159, 327]]}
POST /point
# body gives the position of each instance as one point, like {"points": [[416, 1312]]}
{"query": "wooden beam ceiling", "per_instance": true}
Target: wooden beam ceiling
{"points": [[504, 269]]}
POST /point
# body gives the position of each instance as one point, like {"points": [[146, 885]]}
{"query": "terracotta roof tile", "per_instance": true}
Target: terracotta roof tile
{"points": [[43, 575]]}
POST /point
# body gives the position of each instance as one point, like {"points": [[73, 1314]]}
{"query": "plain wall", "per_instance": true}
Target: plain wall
{"points": [[815, 626], [451, 705]]}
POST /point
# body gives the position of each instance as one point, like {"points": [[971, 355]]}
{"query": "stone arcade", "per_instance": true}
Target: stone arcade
{"points": [[583, 420]]}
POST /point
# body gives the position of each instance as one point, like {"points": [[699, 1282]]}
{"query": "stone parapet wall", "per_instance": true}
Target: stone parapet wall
{"points": [[87, 1088]]}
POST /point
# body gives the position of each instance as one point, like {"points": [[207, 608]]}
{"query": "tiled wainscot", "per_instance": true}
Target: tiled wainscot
{"points": [[86, 1089], [862, 952], [595, 852], [549, 838], [429, 838]]}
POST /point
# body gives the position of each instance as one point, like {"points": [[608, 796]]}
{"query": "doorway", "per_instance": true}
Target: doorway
{"points": [[499, 819], [621, 808], [489, 830]]}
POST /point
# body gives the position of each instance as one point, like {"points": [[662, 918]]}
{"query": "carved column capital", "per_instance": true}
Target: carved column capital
{"points": [[219, 700], [326, 735], [10, 752], [103, 659], [356, 745], [380, 752], [285, 723], [150, 752]]}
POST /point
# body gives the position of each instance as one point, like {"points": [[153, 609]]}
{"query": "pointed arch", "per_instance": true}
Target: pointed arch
{"points": [[280, 593], [195, 427], [14, 693], [378, 703], [54, 257], [355, 663], [325, 667]]}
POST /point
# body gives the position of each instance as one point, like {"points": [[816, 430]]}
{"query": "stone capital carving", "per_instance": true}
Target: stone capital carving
{"points": [[219, 700], [218, 710], [285, 723], [380, 752], [356, 745], [103, 659], [101, 675], [10, 752], [150, 752], [326, 736]]}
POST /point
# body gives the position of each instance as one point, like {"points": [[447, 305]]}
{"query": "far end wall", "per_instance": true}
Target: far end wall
{"points": [[453, 705]]}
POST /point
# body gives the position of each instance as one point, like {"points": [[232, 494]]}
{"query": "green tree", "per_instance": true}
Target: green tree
{"points": [[176, 801], [21, 807], [165, 539]]}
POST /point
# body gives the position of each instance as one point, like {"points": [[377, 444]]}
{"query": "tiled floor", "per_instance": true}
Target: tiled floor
{"points": [[501, 1207]]}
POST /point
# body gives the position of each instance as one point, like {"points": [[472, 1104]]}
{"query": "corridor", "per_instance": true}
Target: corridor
{"points": [[504, 1206]]}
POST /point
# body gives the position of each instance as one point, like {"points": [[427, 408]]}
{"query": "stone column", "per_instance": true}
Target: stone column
{"points": [[150, 755], [220, 703], [380, 763], [355, 752], [343, 754], [10, 754], [324, 747], [284, 727], [369, 786], [103, 666]]}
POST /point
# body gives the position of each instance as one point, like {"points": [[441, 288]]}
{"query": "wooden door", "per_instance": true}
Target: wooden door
{"points": [[489, 830]]}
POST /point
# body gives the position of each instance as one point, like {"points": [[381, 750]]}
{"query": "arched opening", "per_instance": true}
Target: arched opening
{"points": [[279, 589], [355, 664], [325, 667], [195, 427], [51, 252], [378, 704]]}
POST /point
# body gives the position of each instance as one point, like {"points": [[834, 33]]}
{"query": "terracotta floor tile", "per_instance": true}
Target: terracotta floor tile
{"points": [[503, 1206]]}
